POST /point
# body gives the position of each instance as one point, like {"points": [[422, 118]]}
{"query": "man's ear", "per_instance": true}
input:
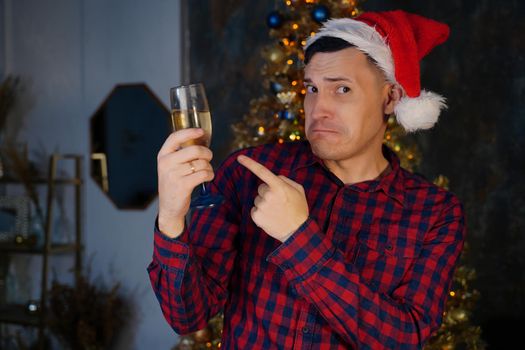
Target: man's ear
{"points": [[393, 95]]}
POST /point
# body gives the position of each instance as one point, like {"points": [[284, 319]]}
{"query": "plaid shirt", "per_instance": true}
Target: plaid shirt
{"points": [[369, 269]]}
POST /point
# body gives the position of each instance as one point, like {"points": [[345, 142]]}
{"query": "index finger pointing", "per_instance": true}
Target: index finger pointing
{"points": [[259, 170]]}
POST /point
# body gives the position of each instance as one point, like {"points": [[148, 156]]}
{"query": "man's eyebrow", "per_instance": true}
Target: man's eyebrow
{"points": [[333, 79], [330, 79]]}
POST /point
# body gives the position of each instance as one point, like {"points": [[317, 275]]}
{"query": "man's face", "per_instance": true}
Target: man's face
{"points": [[344, 104]]}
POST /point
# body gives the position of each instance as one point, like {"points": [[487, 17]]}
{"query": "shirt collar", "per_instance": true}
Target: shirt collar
{"points": [[391, 183]]}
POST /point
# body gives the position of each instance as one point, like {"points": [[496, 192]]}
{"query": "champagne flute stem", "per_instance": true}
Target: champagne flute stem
{"points": [[204, 190]]}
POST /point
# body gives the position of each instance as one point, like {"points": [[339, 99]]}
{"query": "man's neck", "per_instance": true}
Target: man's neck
{"points": [[359, 168]]}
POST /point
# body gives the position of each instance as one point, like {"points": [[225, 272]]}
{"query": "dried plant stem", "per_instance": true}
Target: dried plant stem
{"points": [[19, 165]]}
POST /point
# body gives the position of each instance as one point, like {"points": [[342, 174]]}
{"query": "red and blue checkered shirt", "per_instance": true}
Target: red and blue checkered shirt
{"points": [[369, 269]]}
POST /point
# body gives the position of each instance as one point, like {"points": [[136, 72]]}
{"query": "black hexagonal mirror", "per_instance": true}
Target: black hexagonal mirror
{"points": [[127, 131]]}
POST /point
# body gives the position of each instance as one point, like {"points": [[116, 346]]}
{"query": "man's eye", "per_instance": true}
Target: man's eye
{"points": [[311, 89], [343, 89]]}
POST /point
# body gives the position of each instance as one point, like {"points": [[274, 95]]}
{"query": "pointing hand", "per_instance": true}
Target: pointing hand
{"points": [[280, 208]]}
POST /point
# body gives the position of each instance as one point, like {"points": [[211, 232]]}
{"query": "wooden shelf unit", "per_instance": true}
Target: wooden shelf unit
{"points": [[15, 313]]}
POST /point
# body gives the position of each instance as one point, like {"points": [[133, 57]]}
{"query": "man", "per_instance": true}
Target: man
{"points": [[321, 244]]}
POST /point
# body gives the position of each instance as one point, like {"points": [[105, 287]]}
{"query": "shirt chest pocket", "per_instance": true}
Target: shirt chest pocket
{"points": [[384, 254]]}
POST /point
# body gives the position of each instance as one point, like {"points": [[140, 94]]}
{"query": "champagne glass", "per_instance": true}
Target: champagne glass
{"points": [[189, 109]]}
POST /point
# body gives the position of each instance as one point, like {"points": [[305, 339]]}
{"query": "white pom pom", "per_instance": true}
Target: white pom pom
{"points": [[420, 112]]}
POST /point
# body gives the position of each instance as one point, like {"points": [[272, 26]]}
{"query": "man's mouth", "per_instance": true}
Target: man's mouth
{"points": [[324, 131]]}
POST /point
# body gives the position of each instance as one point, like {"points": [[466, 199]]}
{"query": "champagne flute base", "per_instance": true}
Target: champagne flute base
{"points": [[206, 201]]}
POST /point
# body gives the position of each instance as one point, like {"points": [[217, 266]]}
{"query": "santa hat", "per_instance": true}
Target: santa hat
{"points": [[397, 41]]}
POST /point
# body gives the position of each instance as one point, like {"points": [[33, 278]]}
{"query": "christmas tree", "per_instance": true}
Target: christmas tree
{"points": [[278, 116]]}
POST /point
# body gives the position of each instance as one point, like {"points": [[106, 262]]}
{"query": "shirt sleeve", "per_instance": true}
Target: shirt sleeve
{"points": [[190, 274], [365, 318]]}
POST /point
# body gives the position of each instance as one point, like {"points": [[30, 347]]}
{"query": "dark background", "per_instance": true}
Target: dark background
{"points": [[478, 142]]}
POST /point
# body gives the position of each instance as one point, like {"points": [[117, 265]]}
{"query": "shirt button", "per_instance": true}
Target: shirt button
{"points": [[389, 246], [305, 330]]}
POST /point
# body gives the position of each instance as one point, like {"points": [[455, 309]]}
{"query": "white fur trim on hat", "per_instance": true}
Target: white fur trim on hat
{"points": [[420, 112], [364, 37]]}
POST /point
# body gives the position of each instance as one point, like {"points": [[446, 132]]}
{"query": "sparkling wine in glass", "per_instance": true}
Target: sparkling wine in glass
{"points": [[189, 109]]}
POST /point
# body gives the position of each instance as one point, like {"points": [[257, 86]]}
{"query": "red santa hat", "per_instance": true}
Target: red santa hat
{"points": [[397, 41]]}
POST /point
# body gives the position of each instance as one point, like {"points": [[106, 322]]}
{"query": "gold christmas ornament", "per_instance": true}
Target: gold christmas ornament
{"points": [[202, 335], [458, 315], [286, 97], [275, 55], [185, 343]]}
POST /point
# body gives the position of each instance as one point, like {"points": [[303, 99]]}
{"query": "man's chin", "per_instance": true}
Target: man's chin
{"points": [[324, 149]]}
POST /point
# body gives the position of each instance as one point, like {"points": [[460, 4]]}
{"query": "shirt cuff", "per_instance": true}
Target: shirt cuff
{"points": [[171, 253], [304, 252]]}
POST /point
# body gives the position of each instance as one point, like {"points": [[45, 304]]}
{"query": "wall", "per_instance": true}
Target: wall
{"points": [[479, 144], [3, 25], [71, 53], [233, 36]]}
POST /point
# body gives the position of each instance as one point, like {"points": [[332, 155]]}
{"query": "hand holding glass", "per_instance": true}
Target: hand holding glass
{"points": [[189, 109]]}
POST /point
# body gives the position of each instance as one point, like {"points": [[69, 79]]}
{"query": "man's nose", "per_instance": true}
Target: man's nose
{"points": [[322, 107]]}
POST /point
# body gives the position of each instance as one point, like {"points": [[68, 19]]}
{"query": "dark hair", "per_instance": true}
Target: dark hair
{"points": [[329, 44]]}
